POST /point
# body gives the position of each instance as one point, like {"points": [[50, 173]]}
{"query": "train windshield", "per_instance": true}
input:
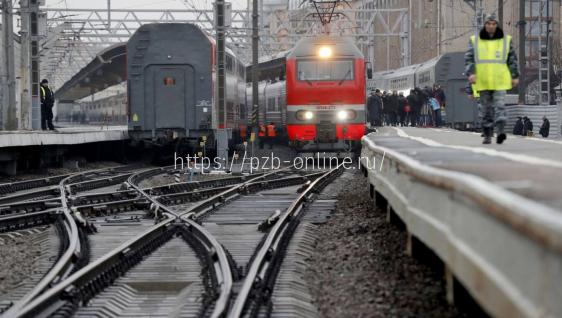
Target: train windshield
{"points": [[331, 70]]}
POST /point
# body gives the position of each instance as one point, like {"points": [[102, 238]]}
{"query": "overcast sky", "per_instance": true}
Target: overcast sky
{"points": [[140, 4]]}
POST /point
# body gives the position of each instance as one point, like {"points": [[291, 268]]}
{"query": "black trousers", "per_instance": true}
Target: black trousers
{"points": [[47, 117]]}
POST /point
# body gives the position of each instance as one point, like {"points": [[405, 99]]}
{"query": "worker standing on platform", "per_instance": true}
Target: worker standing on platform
{"points": [[47, 103], [261, 135], [491, 65], [271, 134]]}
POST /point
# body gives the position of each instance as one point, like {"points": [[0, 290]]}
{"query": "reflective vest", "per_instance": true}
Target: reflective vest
{"points": [[490, 56], [271, 130], [261, 132]]}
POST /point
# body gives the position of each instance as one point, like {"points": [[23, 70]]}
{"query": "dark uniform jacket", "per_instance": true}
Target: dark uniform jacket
{"points": [[545, 128], [47, 96]]}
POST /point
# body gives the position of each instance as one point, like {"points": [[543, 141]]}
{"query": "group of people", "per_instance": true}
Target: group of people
{"points": [[422, 107], [524, 127]]}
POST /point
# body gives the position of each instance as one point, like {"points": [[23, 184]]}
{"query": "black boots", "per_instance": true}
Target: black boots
{"points": [[501, 134], [488, 133]]}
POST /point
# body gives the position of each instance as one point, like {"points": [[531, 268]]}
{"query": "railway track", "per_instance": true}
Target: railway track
{"points": [[50, 225], [186, 249]]}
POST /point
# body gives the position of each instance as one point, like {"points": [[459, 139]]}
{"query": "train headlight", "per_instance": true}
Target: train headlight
{"points": [[325, 52], [304, 115], [342, 115]]}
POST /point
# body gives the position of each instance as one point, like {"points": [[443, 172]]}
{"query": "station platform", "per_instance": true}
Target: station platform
{"points": [[65, 135], [528, 166], [491, 214]]}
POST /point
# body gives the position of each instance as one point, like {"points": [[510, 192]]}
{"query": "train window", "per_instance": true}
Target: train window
{"points": [[229, 63], [242, 111], [271, 104], [169, 81], [332, 70]]}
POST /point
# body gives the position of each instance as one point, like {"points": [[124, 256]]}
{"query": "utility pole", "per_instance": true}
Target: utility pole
{"points": [[522, 57], [500, 13], [222, 136], [25, 66], [255, 71], [8, 118]]}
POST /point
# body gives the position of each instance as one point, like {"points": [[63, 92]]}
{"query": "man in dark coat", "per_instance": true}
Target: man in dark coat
{"points": [[527, 126], [392, 109], [518, 128], [47, 103], [374, 108], [414, 111], [402, 103], [545, 128]]}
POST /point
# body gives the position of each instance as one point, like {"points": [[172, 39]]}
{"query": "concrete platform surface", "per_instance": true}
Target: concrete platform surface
{"points": [[66, 135], [530, 167]]}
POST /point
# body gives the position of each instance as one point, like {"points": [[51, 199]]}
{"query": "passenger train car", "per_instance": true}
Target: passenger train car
{"points": [[170, 85], [319, 100], [317, 105], [445, 70]]}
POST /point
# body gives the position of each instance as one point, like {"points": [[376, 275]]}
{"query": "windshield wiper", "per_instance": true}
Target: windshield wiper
{"points": [[344, 77]]}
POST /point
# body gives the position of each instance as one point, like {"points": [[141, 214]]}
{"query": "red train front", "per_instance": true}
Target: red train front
{"points": [[325, 87]]}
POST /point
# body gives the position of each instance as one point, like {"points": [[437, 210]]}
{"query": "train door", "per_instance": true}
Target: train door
{"points": [[170, 96]]}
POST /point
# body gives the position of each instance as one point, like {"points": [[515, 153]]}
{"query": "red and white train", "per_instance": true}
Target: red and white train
{"points": [[319, 97], [315, 97]]}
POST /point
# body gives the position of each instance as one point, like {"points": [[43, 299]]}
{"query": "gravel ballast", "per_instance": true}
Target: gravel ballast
{"points": [[360, 269]]}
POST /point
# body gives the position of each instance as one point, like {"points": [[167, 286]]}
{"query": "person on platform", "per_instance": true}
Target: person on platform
{"points": [[374, 108], [545, 128], [261, 135], [402, 109], [414, 111], [271, 134], [47, 103], [527, 126], [518, 127], [392, 109], [491, 65]]}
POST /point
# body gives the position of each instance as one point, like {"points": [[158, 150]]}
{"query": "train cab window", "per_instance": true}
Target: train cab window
{"points": [[169, 81], [331, 70]]}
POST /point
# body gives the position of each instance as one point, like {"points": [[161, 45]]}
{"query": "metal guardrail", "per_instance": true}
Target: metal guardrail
{"points": [[506, 250], [261, 271]]}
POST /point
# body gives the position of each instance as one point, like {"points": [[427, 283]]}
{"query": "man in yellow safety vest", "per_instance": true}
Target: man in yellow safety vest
{"points": [[492, 68]]}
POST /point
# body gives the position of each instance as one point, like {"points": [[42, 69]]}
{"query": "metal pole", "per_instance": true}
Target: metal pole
{"points": [[109, 14], [220, 53], [9, 122], [25, 67], [35, 57], [500, 13], [522, 57], [255, 71]]}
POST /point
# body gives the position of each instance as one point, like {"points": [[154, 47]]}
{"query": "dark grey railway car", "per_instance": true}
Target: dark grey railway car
{"points": [[446, 70], [170, 71]]}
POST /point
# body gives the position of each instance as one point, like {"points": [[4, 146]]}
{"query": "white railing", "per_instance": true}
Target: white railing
{"points": [[506, 250]]}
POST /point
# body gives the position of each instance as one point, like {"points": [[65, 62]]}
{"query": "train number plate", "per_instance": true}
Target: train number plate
{"points": [[326, 107]]}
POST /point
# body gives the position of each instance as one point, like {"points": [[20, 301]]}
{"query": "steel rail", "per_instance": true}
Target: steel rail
{"points": [[65, 263], [215, 251], [269, 251]]}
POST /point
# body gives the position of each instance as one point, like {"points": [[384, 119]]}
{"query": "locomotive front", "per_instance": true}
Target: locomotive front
{"points": [[325, 95]]}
